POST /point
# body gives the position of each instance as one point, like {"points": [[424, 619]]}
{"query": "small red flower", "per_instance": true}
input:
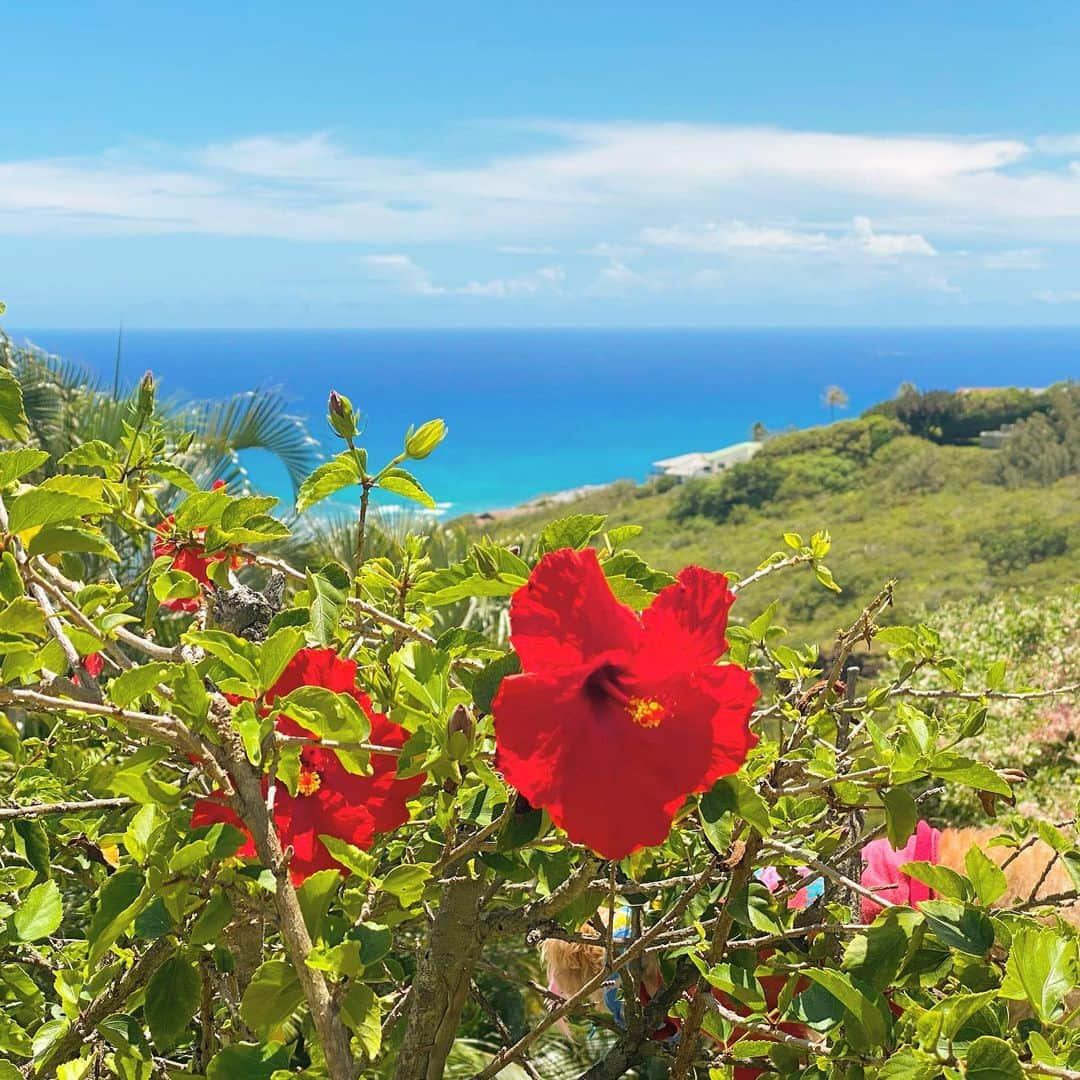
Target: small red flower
{"points": [[94, 663], [188, 556], [618, 717], [329, 800]]}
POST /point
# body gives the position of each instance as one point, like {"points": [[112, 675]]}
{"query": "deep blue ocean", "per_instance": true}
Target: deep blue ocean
{"points": [[537, 411]]}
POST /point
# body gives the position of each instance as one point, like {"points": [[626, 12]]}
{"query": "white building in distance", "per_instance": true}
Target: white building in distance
{"points": [[706, 462]]}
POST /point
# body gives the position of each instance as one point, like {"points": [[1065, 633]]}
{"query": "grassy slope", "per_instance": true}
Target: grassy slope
{"points": [[927, 541]]}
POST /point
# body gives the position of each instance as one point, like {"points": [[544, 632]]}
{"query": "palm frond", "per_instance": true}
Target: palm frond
{"points": [[255, 420]]}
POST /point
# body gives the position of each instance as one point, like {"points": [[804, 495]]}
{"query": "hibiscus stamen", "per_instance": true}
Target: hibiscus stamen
{"points": [[310, 782], [646, 712]]}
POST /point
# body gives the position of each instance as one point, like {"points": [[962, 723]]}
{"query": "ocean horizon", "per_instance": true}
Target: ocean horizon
{"points": [[537, 411]]}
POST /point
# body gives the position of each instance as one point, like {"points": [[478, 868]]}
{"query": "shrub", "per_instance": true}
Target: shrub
{"points": [[1045, 447], [957, 417], [288, 846], [1017, 544]]}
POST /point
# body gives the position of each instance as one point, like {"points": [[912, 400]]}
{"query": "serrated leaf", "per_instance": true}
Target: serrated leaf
{"points": [[985, 874], [13, 423], [65, 538], [172, 997], [16, 463], [329, 588], [39, 507], [119, 900], [248, 1061], [990, 1058], [402, 482], [330, 477], [570, 532], [901, 816]]}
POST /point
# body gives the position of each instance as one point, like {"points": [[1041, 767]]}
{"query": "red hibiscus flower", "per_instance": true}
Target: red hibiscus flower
{"points": [[329, 800], [189, 556], [618, 717]]}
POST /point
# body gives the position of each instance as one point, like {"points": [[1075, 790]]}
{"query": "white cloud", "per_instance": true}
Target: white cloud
{"points": [[596, 179], [403, 273], [738, 236], [1058, 296], [1014, 259], [712, 238], [889, 245]]}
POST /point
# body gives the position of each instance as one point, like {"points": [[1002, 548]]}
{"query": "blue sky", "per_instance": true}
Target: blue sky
{"points": [[467, 164]]}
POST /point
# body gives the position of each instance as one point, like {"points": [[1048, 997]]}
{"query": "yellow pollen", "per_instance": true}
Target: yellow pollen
{"points": [[647, 712], [310, 782]]}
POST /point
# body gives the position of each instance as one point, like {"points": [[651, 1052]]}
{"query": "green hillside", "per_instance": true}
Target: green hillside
{"points": [[947, 521]]}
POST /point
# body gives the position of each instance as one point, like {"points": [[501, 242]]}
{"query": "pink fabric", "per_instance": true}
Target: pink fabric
{"points": [[882, 871]]}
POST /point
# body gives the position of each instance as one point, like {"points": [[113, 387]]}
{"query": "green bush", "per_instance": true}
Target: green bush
{"points": [[947, 416], [1015, 545], [1045, 447]]}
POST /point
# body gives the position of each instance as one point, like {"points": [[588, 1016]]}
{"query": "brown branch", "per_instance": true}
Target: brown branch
{"points": [[770, 568], [107, 1002], [36, 810], [502, 1059]]}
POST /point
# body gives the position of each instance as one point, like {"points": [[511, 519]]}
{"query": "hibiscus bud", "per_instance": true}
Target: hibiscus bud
{"points": [[485, 562], [342, 417], [144, 406], [461, 721], [420, 443]]}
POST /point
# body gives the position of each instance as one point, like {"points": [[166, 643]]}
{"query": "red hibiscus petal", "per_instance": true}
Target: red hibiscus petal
{"points": [[316, 667], [609, 782], [567, 612], [214, 811], [685, 624]]}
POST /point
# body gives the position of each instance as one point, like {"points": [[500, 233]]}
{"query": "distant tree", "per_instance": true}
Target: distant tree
{"points": [[759, 432], [906, 389], [834, 398]]}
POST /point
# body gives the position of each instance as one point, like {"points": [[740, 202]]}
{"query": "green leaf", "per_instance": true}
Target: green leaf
{"points": [[989, 1058], [154, 921], [941, 879], [234, 652], [13, 423], [360, 1010], [136, 682], [959, 926], [32, 843], [272, 996], [329, 588], [315, 895], [901, 816], [1042, 968], [987, 877], [248, 1061], [39, 507], [118, 904], [172, 997], [995, 675], [875, 955], [212, 920], [570, 532], [64, 538], [16, 463], [352, 858], [958, 770], [402, 482], [488, 680], [39, 914], [866, 1007], [407, 882], [95, 454], [734, 794], [276, 652], [330, 477]]}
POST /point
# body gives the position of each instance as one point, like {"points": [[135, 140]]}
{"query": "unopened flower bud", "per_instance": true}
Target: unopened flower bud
{"points": [[342, 417], [485, 562], [420, 443], [461, 721], [144, 405]]}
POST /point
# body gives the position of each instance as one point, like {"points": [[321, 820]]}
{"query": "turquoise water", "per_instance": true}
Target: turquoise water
{"points": [[535, 411]]}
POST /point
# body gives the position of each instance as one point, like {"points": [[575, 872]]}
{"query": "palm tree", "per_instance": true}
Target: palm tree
{"points": [[834, 398], [68, 405]]}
